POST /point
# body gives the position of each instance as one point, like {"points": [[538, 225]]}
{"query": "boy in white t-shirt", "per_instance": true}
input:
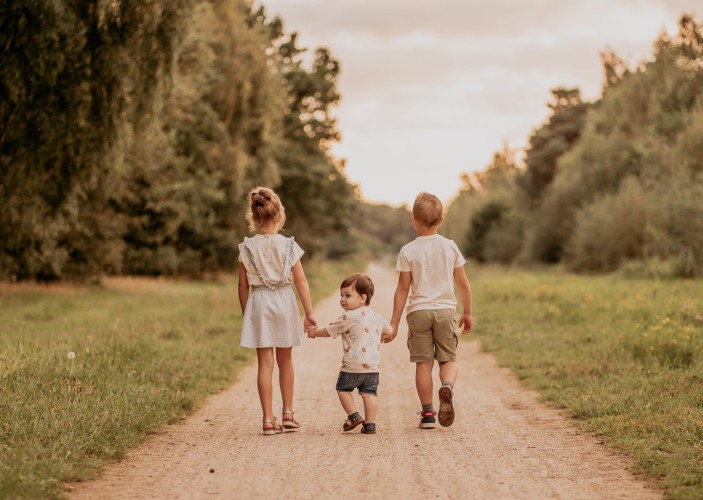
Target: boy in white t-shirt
{"points": [[429, 267], [362, 331]]}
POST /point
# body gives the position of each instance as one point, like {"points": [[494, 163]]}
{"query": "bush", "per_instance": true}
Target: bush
{"points": [[609, 231]]}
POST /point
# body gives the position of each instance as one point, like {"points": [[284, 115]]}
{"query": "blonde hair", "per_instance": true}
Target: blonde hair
{"points": [[427, 210], [265, 209]]}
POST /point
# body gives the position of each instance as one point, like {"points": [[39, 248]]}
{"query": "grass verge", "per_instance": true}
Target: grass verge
{"points": [[88, 373], [625, 356]]}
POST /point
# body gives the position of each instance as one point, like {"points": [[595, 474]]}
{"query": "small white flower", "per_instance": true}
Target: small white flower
{"points": [[71, 355]]}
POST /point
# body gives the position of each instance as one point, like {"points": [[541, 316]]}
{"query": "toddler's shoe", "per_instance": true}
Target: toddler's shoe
{"points": [[353, 421], [446, 406], [368, 428], [427, 421]]}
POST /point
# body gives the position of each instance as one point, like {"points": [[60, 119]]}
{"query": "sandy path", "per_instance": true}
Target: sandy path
{"points": [[504, 443]]}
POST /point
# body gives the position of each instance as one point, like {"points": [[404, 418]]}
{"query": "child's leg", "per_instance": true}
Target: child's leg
{"points": [[370, 406], [448, 372], [264, 380], [368, 390], [346, 383], [286, 376], [347, 400], [423, 381]]}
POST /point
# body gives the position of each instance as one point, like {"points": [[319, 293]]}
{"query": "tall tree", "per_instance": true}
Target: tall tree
{"points": [[74, 79], [221, 123], [318, 197], [549, 142], [638, 131]]}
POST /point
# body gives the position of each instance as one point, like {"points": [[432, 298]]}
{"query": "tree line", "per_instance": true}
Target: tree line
{"points": [[612, 184], [131, 131]]}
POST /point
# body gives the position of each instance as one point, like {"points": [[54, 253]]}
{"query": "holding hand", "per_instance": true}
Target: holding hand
{"points": [[309, 322], [311, 331], [388, 337]]}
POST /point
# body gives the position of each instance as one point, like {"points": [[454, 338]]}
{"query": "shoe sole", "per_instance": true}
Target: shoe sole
{"points": [[446, 407], [427, 425]]}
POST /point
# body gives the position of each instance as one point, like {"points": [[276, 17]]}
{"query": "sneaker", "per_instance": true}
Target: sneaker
{"points": [[446, 406], [427, 421]]}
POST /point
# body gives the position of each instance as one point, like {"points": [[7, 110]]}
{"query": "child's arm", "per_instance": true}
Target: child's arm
{"points": [[301, 284], [466, 320], [399, 299], [317, 332], [243, 287]]}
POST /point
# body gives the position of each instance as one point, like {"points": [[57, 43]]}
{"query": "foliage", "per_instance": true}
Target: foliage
{"points": [[74, 80], [217, 128], [130, 132], [486, 208], [550, 141], [609, 183], [381, 230], [319, 200], [636, 131]]}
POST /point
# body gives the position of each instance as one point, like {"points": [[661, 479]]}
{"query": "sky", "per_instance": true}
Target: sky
{"points": [[432, 89]]}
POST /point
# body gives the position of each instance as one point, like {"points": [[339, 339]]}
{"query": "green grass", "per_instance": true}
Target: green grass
{"points": [[625, 356], [88, 373]]}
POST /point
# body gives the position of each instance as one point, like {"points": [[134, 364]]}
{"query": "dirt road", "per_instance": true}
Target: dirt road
{"points": [[504, 443]]}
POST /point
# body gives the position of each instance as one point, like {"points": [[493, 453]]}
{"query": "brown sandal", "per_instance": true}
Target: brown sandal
{"points": [[353, 421], [274, 429], [290, 424]]}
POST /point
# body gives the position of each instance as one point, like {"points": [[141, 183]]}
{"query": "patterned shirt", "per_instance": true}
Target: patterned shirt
{"points": [[361, 331]]}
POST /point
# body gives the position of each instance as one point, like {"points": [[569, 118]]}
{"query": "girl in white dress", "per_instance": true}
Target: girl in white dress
{"points": [[268, 264]]}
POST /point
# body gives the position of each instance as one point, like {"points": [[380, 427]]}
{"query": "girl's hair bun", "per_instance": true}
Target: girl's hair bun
{"points": [[264, 209], [260, 198]]}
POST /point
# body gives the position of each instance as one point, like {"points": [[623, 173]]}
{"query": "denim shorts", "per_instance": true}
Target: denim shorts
{"points": [[367, 383]]}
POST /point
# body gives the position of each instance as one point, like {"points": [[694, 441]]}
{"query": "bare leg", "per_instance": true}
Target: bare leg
{"points": [[264, 380], [347, 400], [370, 407], [423, 381], [448, 372], [286, 376]]}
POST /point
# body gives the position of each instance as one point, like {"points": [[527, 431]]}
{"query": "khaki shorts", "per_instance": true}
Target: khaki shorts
{"points": [[432, 335]]}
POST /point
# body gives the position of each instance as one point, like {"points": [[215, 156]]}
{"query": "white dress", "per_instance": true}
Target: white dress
{"points": [[271, 317]]}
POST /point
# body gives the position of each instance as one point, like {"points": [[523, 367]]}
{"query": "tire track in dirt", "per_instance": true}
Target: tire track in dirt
{"points": [[504, 443]]}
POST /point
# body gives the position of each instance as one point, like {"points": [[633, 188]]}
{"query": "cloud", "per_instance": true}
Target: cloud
{"points": [[431, 89]]}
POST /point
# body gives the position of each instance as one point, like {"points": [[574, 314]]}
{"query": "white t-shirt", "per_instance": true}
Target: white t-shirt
{"points": [[431, 261]]}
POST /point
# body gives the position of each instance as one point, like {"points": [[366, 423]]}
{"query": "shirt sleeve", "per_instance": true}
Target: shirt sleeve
{"points": [[459, 259], [342, 325], [297, 252], [402, 263]]}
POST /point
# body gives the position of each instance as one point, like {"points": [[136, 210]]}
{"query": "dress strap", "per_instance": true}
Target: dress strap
{"points": [[288, 266]]}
